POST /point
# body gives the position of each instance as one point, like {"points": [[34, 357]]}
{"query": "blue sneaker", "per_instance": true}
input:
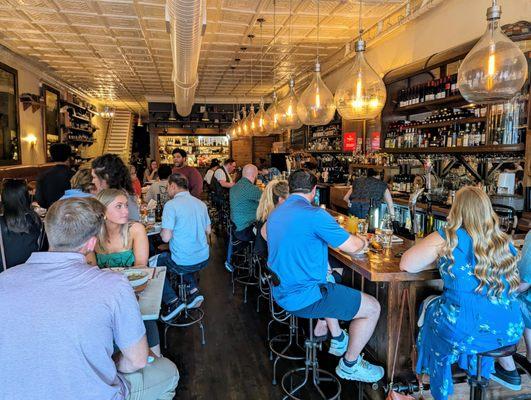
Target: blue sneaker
{"points": [[195, 300], [173, 310], [362, 371], [339, 347]]}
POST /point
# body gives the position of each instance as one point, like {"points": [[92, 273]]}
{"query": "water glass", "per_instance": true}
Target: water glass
{"points": [[363, 226]]}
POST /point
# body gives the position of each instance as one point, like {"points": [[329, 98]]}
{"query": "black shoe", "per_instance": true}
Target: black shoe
{"points": [[195, 300], [173, 310], [509, 379]]}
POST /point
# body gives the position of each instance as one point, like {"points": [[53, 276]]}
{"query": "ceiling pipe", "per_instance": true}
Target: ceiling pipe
{"points": [[186, 20]]}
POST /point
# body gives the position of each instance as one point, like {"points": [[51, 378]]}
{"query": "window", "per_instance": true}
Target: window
{"points": [[9, 125], [51, 117]]}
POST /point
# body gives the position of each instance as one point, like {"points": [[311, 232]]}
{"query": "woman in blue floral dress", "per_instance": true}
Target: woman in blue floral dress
{"points": [[477, 310]]}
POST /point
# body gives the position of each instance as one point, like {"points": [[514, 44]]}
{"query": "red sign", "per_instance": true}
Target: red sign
{"points": [[375, 141], [350, 140]]}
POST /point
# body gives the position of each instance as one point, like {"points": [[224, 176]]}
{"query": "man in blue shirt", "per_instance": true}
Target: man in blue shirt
{"points": [[186, 225], [298, 236]]}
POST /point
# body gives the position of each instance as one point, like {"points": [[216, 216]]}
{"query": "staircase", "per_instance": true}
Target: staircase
{"points": [[119, 138]]}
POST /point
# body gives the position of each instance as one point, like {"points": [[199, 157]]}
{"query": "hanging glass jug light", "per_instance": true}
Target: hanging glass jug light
{"points": [[495, 69], [246, 127], [238, 125], [251, 121], [259, 119], [316, 104], [288, 118], [272, 113], [362, 94]]}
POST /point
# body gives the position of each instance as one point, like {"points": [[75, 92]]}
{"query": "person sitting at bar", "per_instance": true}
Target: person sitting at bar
{"points": [[244, 198], [275, 193], [160, 186], [151, 173], [62, 317], [477, 310], [81, 184], [137, 186], [505, 373], [365, 189], [52, 184], [110, 172], [298, 235], [195, 180], [186, 226], [22, 231], [266, 172]]}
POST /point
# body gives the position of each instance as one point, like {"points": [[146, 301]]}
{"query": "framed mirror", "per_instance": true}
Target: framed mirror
{"points": [[51, 122], [9, 118]]}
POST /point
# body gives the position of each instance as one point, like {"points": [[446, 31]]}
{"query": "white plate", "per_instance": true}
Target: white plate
{"points": [[139, 281]]}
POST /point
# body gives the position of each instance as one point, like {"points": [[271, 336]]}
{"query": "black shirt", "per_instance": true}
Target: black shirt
{"points": [[19, 246], [51, 185]]}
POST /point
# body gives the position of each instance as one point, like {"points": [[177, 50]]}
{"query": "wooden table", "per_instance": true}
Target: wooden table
{"points": [[379, 275]]}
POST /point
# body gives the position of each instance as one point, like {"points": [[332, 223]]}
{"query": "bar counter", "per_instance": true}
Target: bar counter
{"points": [[379, 275]]}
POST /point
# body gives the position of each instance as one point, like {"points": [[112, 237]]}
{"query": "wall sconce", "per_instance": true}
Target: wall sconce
{"points": [[31, 139]]}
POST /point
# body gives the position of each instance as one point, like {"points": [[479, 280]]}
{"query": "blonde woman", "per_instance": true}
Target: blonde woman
{"points": [[477, 310], [122, 243], [274, 194]]}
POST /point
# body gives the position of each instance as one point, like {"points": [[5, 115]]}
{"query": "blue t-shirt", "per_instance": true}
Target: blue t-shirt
{"points": [[298, 235], [188, 218]]}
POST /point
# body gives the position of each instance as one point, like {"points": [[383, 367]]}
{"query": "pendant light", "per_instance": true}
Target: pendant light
{"points": [[238, 125], [316, 104], [245, 126], [139, 121], [288, 118], [251, 123], [172, 112], [259, 119], [362, 95], [272, 113], [495, 69]]}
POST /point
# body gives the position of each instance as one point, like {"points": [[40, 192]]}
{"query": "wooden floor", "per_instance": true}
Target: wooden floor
{"points": [[234, 364]]}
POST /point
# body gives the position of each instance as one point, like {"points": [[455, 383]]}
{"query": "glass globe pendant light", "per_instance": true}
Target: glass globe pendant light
{"points": [[495, 69], [246, 127], [316, 104], [362, 95], [288, 118], [238, 126], [272, 113], [259, 119]]}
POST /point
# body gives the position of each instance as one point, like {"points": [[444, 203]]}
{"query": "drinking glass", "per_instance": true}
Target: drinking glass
{"points": [[362, 227], [387, 232]]}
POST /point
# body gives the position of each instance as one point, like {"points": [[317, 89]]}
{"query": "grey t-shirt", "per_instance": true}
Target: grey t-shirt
{"points": [[59, 319]]}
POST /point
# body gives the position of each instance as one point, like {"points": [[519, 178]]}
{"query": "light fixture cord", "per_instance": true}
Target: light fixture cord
{"points": [[317, 45], [262, 52], [252, 64], [274, 45], [359, 20]]}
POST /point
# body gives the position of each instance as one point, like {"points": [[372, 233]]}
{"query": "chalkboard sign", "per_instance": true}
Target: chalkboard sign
{"points": [[298, 138]]}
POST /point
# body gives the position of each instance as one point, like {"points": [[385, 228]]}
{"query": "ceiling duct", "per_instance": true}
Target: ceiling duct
{"points": [[186, 20]]}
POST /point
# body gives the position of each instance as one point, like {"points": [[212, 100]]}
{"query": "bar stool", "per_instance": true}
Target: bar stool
{"points": [[478, 384], [313, 375], [263, 287], [189, 316]]}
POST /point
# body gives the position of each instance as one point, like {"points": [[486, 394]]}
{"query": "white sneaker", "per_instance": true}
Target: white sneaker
{"points": [[339, 347], [362, 371]]}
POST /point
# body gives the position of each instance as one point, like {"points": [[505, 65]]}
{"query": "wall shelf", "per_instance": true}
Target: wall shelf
{"points": [[505, 148], [450, 123], [454, 101]]}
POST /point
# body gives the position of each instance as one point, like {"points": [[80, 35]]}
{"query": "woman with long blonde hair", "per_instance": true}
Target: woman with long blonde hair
{"points": [[274, 194], [477, 310]]}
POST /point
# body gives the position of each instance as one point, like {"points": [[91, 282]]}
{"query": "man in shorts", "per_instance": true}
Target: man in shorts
{"points": [[298, 236]]}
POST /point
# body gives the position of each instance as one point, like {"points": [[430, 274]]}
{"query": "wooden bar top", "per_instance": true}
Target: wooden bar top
{"points": [[383, 266]]}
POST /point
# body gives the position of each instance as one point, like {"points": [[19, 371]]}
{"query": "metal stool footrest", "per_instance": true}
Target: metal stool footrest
{"points": [[187, 318]]}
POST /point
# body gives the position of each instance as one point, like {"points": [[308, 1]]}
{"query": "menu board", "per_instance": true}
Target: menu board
{"points": [[298, 138]]}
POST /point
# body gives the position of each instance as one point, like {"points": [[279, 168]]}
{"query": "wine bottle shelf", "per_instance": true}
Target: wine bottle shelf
{"points": [[426, 106], [459, 150], [450, 123]]}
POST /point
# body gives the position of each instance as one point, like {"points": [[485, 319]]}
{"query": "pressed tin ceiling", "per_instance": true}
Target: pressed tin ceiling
{"points": [[120, 50]]}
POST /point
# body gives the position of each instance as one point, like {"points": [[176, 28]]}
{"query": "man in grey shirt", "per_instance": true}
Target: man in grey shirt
{"points": [[62, 317]]}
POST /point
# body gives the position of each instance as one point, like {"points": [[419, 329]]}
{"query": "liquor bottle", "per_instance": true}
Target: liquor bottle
{"points": [[158, 209], [466, 137], [430, 219], [483, 135]]}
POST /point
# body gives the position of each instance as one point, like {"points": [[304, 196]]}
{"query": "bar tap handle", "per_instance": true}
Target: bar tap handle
{"points": [[413, 209]]}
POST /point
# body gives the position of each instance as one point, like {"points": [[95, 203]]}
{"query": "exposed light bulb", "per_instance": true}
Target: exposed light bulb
{"points": [[495, 69], [362, 95], [272, 116], [259, 120]]}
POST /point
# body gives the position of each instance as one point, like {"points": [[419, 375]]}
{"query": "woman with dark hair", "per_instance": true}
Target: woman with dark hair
{"points": [[110, 172], [21, 228]]}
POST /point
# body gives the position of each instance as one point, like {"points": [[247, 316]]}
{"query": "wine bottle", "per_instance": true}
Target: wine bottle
{"points": [[158, 209]]}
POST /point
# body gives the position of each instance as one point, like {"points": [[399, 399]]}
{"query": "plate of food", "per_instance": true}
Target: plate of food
{"points": [[136, 277]]}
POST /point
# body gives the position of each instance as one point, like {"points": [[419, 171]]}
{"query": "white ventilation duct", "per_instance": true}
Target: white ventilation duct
{"points": [[187, 24]]}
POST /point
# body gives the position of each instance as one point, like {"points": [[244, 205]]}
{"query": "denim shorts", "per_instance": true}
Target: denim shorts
{"points": [[337, 301]]}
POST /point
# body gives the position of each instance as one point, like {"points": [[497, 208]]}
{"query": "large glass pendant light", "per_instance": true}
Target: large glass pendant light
{"points": [[272, 113], [495, 69], [238, 125], [251, 120], [245, 126], [362, 94], [259, 119], [288, 118], [316, 104]]}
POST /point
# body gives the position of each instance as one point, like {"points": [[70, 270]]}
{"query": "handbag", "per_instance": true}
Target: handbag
{"points": [[393, 394]]}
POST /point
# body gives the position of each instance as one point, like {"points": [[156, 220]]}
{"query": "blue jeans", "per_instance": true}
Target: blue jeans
{"points": [[188, 271]]}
